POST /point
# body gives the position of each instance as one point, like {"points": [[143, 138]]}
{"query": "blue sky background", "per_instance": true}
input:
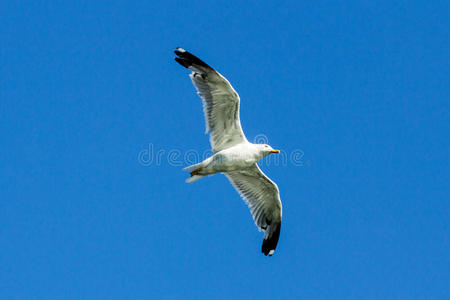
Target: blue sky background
{"points": [[360, 88]]}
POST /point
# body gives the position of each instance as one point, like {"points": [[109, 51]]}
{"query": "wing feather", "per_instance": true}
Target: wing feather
{"points": [[220, 102], [263, 199]]}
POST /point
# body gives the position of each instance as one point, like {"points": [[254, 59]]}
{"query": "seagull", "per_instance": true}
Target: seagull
{"points": [[233, 155]]}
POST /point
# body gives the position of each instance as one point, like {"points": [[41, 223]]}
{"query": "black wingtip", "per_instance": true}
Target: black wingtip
{"points": [[183, 62], [179, 51], [270, 244], [187, 59]]}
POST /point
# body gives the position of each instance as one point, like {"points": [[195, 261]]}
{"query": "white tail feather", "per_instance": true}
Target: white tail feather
{"points": [[194, 178], [193, 167]]}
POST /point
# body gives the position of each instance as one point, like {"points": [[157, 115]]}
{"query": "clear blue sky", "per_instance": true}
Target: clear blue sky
{"points": [[361, 89]]}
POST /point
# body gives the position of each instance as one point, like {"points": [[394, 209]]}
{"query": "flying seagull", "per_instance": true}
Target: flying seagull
{"points": [[233, 155]]}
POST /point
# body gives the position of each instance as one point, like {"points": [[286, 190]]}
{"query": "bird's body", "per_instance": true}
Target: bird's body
{"points": [[235, 158], [233, 155]]}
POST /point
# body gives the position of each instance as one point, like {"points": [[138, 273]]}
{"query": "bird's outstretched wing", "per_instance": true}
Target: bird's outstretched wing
{"points": [[263, 198], [220, 102]]}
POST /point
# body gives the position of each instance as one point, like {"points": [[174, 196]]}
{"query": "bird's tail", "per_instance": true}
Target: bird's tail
{"points": [[194, 170], [191, 168], [271, 236], [194, 178]]}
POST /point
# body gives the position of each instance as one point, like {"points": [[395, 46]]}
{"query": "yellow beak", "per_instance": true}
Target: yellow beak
{"points": [[275, 151]]}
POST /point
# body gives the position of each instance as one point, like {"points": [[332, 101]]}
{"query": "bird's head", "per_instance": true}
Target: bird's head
{"points": [[266, 149]]}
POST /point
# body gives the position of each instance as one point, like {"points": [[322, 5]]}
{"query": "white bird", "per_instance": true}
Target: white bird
{"points": [[233, 154]]}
